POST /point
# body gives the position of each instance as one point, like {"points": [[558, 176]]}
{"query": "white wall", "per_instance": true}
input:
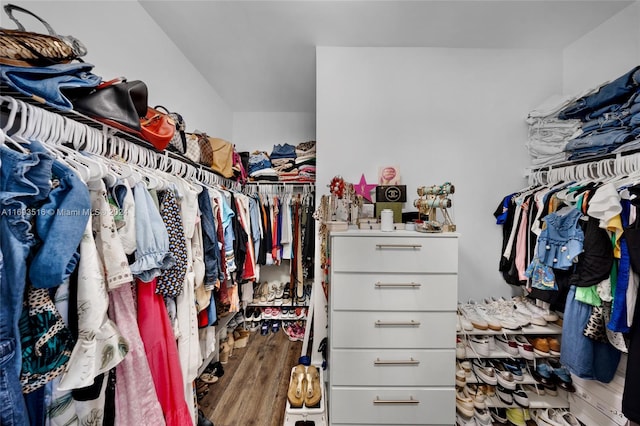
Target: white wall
{"points": [[603, 54], [123, 40], [262, 130], [441, 115]]}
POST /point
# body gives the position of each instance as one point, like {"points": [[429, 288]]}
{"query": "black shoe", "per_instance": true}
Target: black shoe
{"points": [[202, 420], [215, 368]]}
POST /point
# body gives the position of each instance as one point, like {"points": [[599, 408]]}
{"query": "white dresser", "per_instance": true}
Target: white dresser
{"points": [[392, 328]]}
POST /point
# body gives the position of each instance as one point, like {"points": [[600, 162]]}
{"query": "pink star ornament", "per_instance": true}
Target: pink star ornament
{"points": [[364, 189]]}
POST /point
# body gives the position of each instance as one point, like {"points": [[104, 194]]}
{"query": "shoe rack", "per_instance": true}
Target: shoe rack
{"points": [[561, 400]]}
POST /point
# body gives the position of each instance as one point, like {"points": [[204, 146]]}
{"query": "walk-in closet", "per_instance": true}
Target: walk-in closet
{"points": [[311, 213]]}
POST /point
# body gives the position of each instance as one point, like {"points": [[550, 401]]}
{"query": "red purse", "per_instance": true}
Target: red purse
{"points": [[157, 128]]}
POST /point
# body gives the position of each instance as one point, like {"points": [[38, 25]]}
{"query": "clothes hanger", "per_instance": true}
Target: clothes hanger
{"points": [[13, 111], [15, 141]]}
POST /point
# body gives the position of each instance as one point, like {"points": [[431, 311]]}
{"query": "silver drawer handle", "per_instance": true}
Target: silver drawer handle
{"points": [[411, 323], [397, 285], [409, 361], [399, 246], [396, 401]]}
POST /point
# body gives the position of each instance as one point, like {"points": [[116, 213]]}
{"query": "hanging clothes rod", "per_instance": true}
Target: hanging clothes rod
{"points": [[100, 139], [617, 166]]}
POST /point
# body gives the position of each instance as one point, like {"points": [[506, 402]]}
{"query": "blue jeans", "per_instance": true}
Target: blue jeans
{"points": [[211, 249], [48, 82], [60, 227], [152, 240], [601, 138], [586, 358], [610, 93], [24, 182]]}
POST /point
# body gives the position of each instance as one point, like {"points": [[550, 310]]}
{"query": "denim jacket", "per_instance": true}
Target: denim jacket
{"points": [[562, 240]]}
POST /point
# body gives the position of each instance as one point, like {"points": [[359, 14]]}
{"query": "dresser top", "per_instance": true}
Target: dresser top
{"points": [[398, 233]]}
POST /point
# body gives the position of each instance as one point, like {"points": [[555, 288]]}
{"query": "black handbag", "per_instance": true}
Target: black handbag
{"points": [[179, 141], [118, 103]]}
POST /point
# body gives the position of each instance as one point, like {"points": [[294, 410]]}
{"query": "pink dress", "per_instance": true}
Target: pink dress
{"points": [[162, 354]]}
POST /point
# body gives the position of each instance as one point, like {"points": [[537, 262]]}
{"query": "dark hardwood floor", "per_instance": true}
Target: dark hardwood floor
{"points": [[253, 390]]}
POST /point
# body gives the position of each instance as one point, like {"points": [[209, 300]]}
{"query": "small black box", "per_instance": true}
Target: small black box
{"points": [[391, 193]]}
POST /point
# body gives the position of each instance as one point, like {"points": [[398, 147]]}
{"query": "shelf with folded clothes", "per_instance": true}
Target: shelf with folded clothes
{"points": [[113, 131]]}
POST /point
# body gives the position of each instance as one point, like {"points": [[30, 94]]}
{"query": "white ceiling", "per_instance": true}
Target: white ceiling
{"points": [[260, 55]]}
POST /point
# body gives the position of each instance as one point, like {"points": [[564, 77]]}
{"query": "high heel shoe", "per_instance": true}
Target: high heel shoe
{"points": [[313, 393], [297, 386]]}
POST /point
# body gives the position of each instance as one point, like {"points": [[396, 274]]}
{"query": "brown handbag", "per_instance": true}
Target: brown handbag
{"points": [[24, 48], [222, 156]]}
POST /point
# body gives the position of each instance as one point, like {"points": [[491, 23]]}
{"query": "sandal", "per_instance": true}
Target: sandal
{"points": [[313, 393], [297, 383], [209, 378]]}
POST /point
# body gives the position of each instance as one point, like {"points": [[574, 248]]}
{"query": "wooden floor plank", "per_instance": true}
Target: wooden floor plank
{"points": [[253, 390]]}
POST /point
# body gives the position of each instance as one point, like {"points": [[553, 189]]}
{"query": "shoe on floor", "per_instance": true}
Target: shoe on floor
{"points": [[208, 378], [203, 420]]}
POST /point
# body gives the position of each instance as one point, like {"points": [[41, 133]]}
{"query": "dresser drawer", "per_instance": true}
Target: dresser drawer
{"points": [[393, 406], [394, 292], [394, 254], [393, 367], [390, 330]]}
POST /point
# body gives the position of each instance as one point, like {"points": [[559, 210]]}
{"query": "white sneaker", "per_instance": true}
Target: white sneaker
{"points": [[525, 349], [461, 379], [478, 398], [461, 349], [520, 397], [483, 312], [504, 377], [545, 417], [484, 372], [465, 420], [483, 417], [505, 395], [501, 313], [521, 307], [464, 404], [469, 313], [546, 313], [480, 345], [569, 419], [506, 344]]}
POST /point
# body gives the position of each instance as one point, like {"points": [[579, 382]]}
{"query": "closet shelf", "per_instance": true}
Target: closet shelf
{"points": [[532, 329], [93, 123], [535, 401], [273, 305], [497, 353], [527, 379], [593, 159]]}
